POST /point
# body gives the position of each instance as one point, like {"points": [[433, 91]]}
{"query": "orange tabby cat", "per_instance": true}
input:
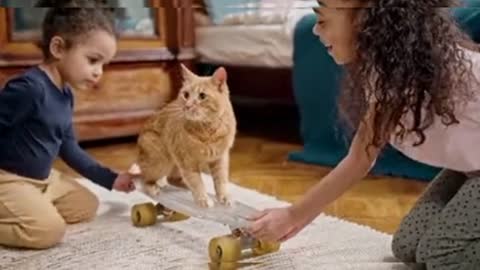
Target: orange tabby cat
{"points": [[194, 131]]}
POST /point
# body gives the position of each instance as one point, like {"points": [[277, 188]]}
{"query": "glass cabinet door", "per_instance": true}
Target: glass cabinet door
{"points": [[25, 23], [147, 30], [133, 19]]}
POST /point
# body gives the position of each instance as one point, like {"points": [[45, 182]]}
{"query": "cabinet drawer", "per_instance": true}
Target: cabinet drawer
{"points": [[125, 89]]}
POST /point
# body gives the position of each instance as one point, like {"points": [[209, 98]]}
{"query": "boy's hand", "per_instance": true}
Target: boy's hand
{"points": [[124, 182]]}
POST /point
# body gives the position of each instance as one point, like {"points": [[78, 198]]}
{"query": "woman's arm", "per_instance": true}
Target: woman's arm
{"points": [[349, 171], [280, 224]]}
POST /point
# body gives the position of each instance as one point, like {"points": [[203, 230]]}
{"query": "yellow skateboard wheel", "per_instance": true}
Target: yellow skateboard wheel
{"points": [[262, 247], [225, 249], [144, 214], [223, 266]]}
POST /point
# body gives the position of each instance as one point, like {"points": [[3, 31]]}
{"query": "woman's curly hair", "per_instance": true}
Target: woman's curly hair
{"points": [[410, 60], [72, 19]]}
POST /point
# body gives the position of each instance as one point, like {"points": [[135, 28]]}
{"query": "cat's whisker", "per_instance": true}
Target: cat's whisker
{"points": [[173, 109], [175, 112]]}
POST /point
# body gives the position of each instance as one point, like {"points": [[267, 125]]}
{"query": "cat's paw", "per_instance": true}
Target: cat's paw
{"points": [[163, 182], [204, 201], [224, 200], [152, 189]]}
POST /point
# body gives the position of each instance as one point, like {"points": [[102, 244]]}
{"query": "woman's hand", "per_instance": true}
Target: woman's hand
{"points": [[277, 224]]}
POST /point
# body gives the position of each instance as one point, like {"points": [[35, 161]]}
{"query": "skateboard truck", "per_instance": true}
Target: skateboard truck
{"points": [[223, 249], [146, 214], [229, 248]]}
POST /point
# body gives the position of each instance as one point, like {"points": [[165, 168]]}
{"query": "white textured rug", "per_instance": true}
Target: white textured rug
{"points": [[111, 242]]}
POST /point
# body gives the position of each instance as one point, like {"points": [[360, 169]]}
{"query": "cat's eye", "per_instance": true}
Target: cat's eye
{"points": [[202, 96], [186, 95]]}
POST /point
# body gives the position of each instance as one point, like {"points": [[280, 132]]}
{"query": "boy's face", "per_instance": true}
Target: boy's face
{"points": [[81, 66], [335, 28]]}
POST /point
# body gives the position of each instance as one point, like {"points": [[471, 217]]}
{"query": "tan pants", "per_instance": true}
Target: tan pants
{"points": [[34, 214]]}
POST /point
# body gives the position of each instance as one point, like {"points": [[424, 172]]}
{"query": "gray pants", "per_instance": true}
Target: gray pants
{"points": [[442, 231]]}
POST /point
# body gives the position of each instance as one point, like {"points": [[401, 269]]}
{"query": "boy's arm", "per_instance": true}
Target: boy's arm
{"points": [[16, 102], [82, 163], [350, 170]]}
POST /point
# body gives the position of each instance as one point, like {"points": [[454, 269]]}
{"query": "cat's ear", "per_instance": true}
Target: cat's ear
{"points": [[219, 77], [187, 74]]}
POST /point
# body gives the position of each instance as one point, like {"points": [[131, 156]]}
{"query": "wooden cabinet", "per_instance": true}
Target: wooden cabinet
{"points": [[144, 75]]}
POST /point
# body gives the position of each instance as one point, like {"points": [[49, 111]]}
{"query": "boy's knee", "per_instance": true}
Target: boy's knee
{"points": [[90, 206], [92, 209], [79, 206], [43, 233], [86, 212]]}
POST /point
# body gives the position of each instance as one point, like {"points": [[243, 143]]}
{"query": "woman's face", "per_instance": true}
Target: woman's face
{"points": [[336, 29]]}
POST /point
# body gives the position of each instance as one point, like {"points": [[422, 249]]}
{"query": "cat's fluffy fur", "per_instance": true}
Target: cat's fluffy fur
{"points": [[192, 133]]}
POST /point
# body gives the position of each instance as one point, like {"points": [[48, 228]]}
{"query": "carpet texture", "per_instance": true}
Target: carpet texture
{"points": [[111, 242]]}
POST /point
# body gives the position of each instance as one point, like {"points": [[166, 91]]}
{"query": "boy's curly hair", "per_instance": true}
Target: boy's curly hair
{"points": [[72, 19], [410, 60]]}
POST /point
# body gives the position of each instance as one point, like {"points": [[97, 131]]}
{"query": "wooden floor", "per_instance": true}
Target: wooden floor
{"points": [[259, 161]]}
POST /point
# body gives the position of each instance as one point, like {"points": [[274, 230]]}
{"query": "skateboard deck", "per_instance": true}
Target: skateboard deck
{"points": [[176, 203], [181, 200]]}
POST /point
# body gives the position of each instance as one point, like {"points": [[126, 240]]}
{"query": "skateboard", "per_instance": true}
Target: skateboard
{"points": [[176, 204]]}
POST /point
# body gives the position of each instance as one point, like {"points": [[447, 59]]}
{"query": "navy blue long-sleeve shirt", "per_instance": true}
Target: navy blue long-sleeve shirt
{"points": [[36, 127]]}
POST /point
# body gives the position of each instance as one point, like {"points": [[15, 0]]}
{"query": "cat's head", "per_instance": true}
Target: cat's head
{"points": [[204, 99]]}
